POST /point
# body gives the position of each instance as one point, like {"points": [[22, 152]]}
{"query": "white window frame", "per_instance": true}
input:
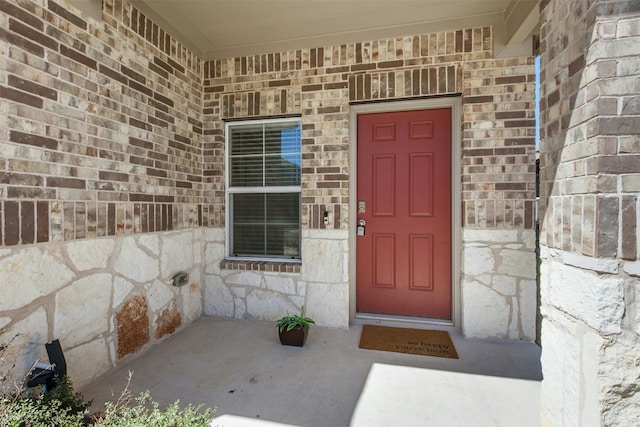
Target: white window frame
{"points": [[259, 189]]}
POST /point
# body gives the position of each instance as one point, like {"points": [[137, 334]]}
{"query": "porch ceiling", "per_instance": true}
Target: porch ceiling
{"points": [[229, 28]]}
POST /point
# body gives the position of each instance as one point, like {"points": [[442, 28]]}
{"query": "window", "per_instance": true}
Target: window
{"points": [[263, 189]]}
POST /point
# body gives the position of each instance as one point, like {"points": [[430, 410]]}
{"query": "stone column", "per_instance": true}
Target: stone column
{"points": [[590, 164]]}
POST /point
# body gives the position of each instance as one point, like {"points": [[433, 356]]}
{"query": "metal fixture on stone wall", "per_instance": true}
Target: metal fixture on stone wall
{"points": [[181, 278]]}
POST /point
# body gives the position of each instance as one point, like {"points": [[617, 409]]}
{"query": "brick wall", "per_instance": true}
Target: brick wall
{"points": [[107, 138], [589, 156], [589, 163], [100, 128], [321, 83], [498, 157]]}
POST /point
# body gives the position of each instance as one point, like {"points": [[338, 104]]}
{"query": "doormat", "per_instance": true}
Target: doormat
{"points": [[404, 340]]}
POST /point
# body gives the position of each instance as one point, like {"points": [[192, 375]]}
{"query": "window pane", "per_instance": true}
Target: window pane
{"points": [[282, 138], [279, 171], [248, 208], [266, 224], [246, 139], [246, 171], [283, 241], [282, 154], [248, 240], [265, 154], [248, 224], [283, 208], [283, 219]]}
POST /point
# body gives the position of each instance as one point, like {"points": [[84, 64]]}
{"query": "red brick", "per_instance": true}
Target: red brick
{"points": [[607, 227], [27, 222], [78, 57], [34, 88], [42, 222], [629, 228], [115, 75], [66, 14], [20, 97], [111, 219], [142, 88], [33, 34], [22, 15], [482, 99], [11, 212], [35, 140]]}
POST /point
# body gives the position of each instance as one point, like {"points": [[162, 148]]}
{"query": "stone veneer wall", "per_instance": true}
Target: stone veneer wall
{"points": [[103, 298], [100, 184], [320, 84], [590, 122]]}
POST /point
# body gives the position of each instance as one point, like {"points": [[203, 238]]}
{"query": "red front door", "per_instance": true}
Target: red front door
{"points": [[404, 199]]}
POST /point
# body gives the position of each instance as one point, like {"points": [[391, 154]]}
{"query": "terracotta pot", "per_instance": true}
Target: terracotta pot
{"points": [[296, 336]]}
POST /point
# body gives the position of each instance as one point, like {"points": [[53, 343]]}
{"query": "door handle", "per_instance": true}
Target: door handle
{"points": [[360, 228]]}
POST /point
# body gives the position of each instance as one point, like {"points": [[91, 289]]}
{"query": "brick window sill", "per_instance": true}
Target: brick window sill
{"points": [[275, 266]]}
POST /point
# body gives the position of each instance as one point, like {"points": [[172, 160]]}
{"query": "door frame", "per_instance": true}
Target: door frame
{"points": [[455, 104]]}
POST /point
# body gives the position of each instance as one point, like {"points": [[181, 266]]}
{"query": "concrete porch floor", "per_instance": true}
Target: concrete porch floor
{"points": [[240, 368]]}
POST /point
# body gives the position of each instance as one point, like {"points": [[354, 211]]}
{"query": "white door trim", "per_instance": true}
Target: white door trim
{"points": [[456, 204]]}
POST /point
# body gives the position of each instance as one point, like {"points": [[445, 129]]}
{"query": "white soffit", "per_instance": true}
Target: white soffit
{"points": [[229, 28]]}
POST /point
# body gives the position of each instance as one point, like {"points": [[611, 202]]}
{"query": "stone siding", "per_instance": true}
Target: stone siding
{"points": [[589, 159], [267, 291], [104, 299], [499, 284]]}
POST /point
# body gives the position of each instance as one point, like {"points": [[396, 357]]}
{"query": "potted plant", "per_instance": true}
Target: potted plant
{"points": [[293, 330]]}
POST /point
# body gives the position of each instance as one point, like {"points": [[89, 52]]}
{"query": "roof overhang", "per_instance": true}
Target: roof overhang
{"points": [[229, 28]]}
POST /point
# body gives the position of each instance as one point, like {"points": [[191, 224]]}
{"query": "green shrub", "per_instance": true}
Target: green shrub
{"points": [[146, 412], [59, 407], [64, 394], [63, 407], [20, 410]]}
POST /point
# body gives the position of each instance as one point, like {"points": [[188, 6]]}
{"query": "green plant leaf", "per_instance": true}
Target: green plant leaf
{"points": [[289, 322]]}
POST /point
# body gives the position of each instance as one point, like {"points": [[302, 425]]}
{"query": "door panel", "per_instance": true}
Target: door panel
{"points": [[421, 262], [384, 185], [385, 265], [421, 184], [404, 184]]}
